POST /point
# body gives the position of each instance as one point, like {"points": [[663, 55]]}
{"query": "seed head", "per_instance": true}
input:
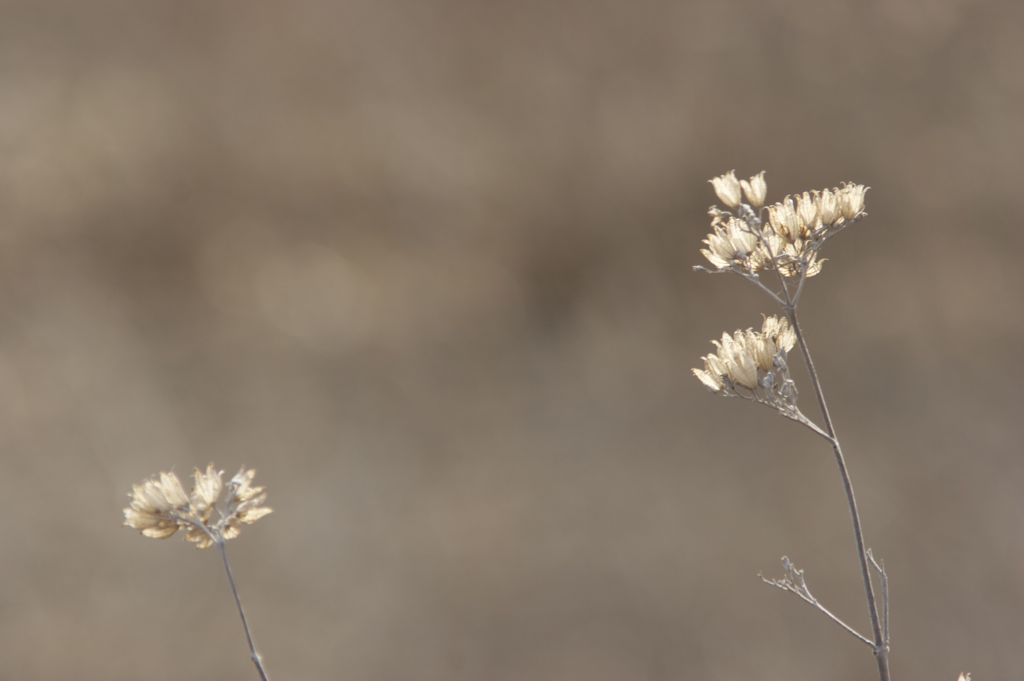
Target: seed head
{"points": [[732, 242], [786, 237], [752, 364], [159, 506]]}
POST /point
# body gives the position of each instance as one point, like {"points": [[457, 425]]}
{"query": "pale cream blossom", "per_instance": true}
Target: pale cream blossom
{"points": [[755, 189], [785, 220], [711, 380], [828, 206], [246, 502], [207, 488], [160, 507], [851, 199], [732, 242], [154, 502], [751, 364], [807, 210], [787, 236], [728, 189]]}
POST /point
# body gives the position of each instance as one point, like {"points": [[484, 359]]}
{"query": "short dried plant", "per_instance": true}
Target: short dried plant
{"points": [[777, 248], [212, 514]]}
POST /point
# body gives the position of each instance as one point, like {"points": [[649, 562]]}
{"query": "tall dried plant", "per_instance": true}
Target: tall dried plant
{"points": [[212, 514], [782, 242]]}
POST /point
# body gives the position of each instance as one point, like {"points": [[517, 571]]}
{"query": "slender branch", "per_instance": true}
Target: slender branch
{"points": [[756, 280], [793, 581], [253, 654], [807, 423], [881, 649], [880, 646], [752, 278], [884, 576], [800, 286]]}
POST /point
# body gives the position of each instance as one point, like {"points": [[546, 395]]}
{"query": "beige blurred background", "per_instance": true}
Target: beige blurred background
{"points": [[426, 266]]}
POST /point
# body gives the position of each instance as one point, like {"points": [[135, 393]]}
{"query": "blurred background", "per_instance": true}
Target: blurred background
{"points": [[426, 266]]}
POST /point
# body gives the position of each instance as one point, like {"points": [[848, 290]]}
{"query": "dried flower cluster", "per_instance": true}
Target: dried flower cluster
{"points": [[748, 236], [752, 364], [211, 514]]}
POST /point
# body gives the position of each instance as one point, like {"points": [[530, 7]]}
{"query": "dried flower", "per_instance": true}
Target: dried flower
{"points": [[787, 237], [851, 199], [207, 488], [245, 501], [807, 210], [153, 503], [785, 220], [727, 187], [732, 242], [752, 364], [755, 189], [159, 506], [828, 206]]}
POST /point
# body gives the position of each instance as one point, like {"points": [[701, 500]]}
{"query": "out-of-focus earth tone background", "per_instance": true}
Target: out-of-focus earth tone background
{"points": [[427, 267]]}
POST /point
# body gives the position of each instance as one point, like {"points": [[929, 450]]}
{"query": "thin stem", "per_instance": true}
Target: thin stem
{"points": [[881, 649], [884, 576], [800, 286], [253, 654], [757, 281], [812, 426], [752, 278], [806, 422], [800, 589]]}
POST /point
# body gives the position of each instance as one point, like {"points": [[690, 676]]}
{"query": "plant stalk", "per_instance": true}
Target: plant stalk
{"points": [[256, 658], [880, 645]]}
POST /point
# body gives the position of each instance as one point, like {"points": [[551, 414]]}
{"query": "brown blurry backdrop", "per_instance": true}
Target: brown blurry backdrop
{"points": [[426, 266]]}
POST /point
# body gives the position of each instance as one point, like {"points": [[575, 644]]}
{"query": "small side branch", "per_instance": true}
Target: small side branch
{"points": [[811, 425], [794, 582], [884, 576], [752, 278], [800, 286]]}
